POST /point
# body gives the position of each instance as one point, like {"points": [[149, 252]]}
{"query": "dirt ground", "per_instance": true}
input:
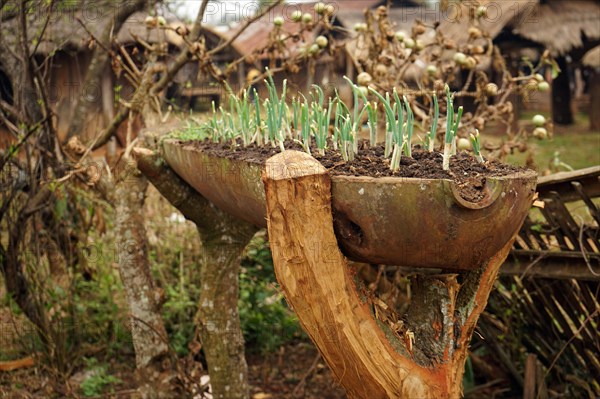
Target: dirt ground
{"points": [[296, 371]]}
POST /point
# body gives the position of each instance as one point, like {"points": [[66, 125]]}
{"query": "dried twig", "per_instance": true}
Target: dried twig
{"points": [[309, 372], [560, 352]]}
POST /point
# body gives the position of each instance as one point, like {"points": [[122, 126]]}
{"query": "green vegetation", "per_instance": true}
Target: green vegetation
{"points": [[266, 320], [99, 380], [578, 150], [476, 146], [90, 317], [272, 121], [452, 123], [436, 115]]}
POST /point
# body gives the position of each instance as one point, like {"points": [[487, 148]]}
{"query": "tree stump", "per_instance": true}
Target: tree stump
{"points": [[368, 359]]}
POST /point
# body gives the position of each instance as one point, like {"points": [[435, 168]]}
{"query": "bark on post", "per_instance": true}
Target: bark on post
{"points": [[218, 316], [367, 358], [224, 239], [144, 299]]}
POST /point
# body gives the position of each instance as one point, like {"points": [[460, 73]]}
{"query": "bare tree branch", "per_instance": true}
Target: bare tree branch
{"points": [[181, 59], [111, 129], [185, 54], [46, 22]]}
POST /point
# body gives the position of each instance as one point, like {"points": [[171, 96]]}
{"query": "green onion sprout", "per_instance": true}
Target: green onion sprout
{"points": [[452, 124], [330, 122], [477, 146], [434, 123]]}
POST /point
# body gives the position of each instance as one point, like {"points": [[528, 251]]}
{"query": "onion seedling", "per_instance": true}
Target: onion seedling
{"points": [[343, 129], [336, 122], [410, 120], [434, 123], [455, 129], [357, 116], [300, 118], [451, 129], [325, 125], [296, 111], [231, 129], [305, 132], [390, 116], [303, 119], [276, 111], [257, 121], [273, 124], [476, 146], [398, 136], [214, 125], [320, 118], [396, 157], [395, 125], [372, 123], [303, 123], [346, 139], [242, 108]]}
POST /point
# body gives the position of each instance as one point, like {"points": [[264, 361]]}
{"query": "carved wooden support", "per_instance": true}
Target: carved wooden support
{"points": [[366, 356]]}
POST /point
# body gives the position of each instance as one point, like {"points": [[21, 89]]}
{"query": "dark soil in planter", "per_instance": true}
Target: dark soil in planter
{"points": [[464, 168]]}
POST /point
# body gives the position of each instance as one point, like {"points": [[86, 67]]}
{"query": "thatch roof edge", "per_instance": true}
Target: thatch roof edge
{"points": [[559, 25], [592, 58]]}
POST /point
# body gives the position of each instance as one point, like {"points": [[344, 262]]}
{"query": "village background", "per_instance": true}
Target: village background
{"points": [[531, 323]]}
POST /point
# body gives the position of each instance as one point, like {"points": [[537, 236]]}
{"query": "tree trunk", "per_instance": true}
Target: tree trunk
{"points": [[19, 290], [218, 316], [223, 238], [366, 356], [144, 299], [595, 101], [561, 95], [26, 97]]}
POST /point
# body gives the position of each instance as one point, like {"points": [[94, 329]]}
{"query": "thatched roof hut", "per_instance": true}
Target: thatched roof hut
{"points": [[526, 28], [66, 45], [255, 43], [499, 14], [257, 36], [568, 29], [592, 58], [346, 14], [560, 26], [65, 30], [557, 25]]}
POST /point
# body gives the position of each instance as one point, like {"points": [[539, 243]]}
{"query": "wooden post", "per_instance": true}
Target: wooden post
{"points": [[530, 377], [223, 239], [562, 112], [368, 359], [595, 100]]}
